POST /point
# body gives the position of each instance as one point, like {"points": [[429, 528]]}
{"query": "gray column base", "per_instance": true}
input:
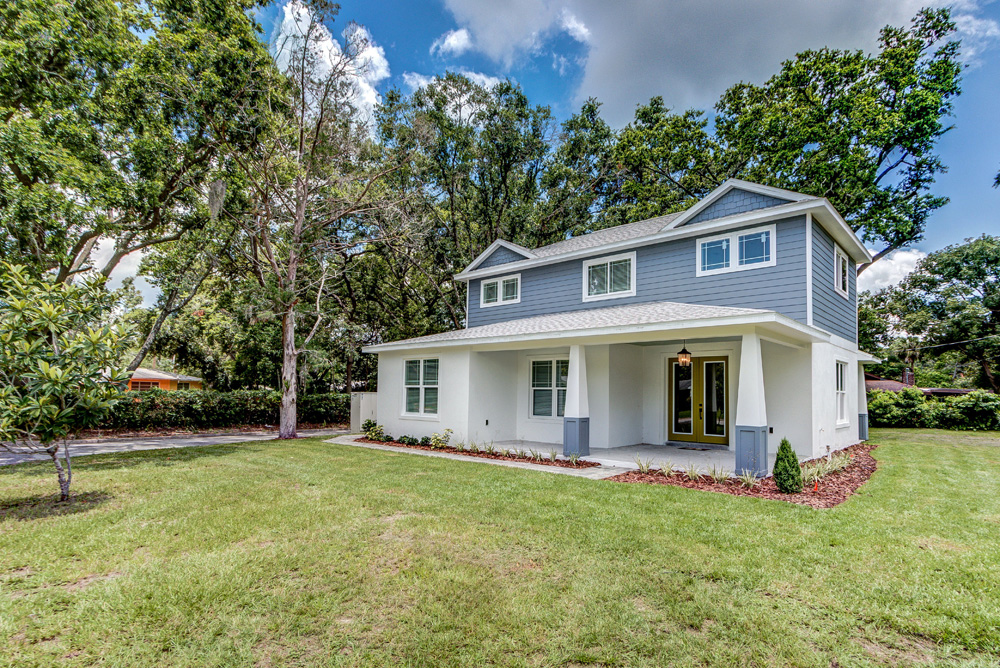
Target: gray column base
{"points": [[576, 436], [863, 427], [751, 450]]}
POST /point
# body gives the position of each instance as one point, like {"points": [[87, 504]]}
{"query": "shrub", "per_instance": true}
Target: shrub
{"points": [[976, 411], [440, 441], [373, 430], [409, 440], [426, 440], [194, 409], [787, 474]]}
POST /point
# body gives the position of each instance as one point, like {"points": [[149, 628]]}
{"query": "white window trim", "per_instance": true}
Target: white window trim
{"points": [[608, 259], [500, 300], [428, 417], [837, 254], [554, 419], [846, 421], [734, 252]]}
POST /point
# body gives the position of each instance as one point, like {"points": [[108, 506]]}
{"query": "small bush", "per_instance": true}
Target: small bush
{"points": [[426, 440], [373, 431], [787, 474], [440, 441], [409, 440]]}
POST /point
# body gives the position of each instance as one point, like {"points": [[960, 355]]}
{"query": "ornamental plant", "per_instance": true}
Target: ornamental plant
{"points": [[787, 474], [61, 369]]}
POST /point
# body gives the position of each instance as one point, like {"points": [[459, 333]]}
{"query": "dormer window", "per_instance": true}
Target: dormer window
{"points": [[736, 251], [609, 277], [503, 290], [841, 269]]}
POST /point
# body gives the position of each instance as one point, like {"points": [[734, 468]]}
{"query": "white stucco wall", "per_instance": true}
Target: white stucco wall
{"points": [[492, 397], [788, 394], [453, 394], [625, 417], [826, 430]]}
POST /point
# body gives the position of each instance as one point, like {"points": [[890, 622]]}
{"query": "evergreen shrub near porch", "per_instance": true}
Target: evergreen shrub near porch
{"points": [[158, 409], [976, 411]]}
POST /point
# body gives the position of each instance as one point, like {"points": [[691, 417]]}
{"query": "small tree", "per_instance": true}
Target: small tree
{"points": [[60, 369], [787, 474]]}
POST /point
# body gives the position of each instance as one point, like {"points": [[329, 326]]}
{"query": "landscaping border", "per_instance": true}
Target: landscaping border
{"points": [[832, 490], [451, 449]]}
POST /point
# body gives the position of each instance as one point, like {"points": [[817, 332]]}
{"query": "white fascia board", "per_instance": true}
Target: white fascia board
{"points": [[701, 229], [499, 243], [811, 334], [842, 233]]}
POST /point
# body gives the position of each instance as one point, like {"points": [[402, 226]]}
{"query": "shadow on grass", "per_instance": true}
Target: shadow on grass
{"points": [[37, 507], [124, 460]]}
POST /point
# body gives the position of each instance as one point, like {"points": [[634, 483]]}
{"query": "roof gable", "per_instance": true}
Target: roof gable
{"points": [[735, 197], [500, 252]]}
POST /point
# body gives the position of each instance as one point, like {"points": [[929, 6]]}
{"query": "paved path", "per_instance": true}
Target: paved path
{"points": [[90, 447], [594, 472]]}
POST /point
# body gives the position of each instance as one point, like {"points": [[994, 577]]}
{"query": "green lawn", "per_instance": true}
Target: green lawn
{"points": [[311, 554]]}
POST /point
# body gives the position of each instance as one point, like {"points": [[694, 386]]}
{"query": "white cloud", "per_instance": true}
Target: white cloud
{"points": [[370, 67], [890, 270], [689, 52], [452, 43], [415, 81], [574, 26]]}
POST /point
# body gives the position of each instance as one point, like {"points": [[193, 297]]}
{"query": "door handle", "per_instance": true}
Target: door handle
{"points": [[701, 414]]}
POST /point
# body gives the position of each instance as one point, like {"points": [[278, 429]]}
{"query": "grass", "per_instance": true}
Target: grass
{"points": [[311, 554]]}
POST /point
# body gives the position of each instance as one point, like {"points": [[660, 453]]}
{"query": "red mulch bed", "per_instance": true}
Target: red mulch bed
{"points": [[564, 463], [831, 491]]}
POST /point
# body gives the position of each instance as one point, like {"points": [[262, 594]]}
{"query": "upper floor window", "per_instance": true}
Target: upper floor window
{"points": [[421, 381], [503, 290], [841, 269], [735, 251], [609, 277]]}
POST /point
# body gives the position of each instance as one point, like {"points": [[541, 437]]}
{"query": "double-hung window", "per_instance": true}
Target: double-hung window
{"points": [[841, 272], [548, 387], [503, 290], [841, 376], [421, 381], [609, 277], [736, 251]]}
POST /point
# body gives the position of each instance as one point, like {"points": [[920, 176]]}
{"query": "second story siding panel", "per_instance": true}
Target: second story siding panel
{"points": [[830, 310], [666, 272], [736, 201], [501, 256]]}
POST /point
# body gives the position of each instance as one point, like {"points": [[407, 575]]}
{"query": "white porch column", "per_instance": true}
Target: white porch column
{"points": [[862, 404], [751, 409], [576, 416]]}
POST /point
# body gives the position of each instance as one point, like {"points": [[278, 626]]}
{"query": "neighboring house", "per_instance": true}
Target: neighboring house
{"points": [[873, 382], [579, 343], [148, 379]]}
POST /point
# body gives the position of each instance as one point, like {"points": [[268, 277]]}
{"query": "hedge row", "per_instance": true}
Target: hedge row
{"points": [[154, 409], [976, 411]]}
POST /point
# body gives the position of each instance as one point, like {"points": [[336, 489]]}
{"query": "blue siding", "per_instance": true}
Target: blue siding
{"points": [[666, 272], [830, 310], [501, 255], [736, 201]]}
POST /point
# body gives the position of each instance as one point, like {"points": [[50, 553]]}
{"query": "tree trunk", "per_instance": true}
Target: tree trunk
{"points": [[65, 475], [161, 317], [288, 419], [348, 375]]}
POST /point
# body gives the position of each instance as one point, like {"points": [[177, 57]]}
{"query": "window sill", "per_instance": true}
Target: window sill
{"points": [[615, 295], [699, 273], [508, 302], [545, 420], [843, 425], [422, 418]]}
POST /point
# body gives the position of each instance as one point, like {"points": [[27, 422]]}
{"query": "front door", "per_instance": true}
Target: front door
{"points": [[697, 401]]}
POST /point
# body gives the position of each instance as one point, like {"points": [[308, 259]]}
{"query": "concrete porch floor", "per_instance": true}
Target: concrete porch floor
{"points": [[681, 456]]}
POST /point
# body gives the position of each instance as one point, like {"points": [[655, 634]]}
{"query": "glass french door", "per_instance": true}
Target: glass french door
{"points": [[697, 401]]}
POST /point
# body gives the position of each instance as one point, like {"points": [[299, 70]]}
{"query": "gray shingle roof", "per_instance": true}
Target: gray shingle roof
{"points": [[629, 231], [612, 316]]}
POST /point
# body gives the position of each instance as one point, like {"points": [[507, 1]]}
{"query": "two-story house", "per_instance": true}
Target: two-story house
{"points": [[732, 324]]}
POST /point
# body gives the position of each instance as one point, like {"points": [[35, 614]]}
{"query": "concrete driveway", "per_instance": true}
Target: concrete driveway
{"points": [[90, 447]]}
